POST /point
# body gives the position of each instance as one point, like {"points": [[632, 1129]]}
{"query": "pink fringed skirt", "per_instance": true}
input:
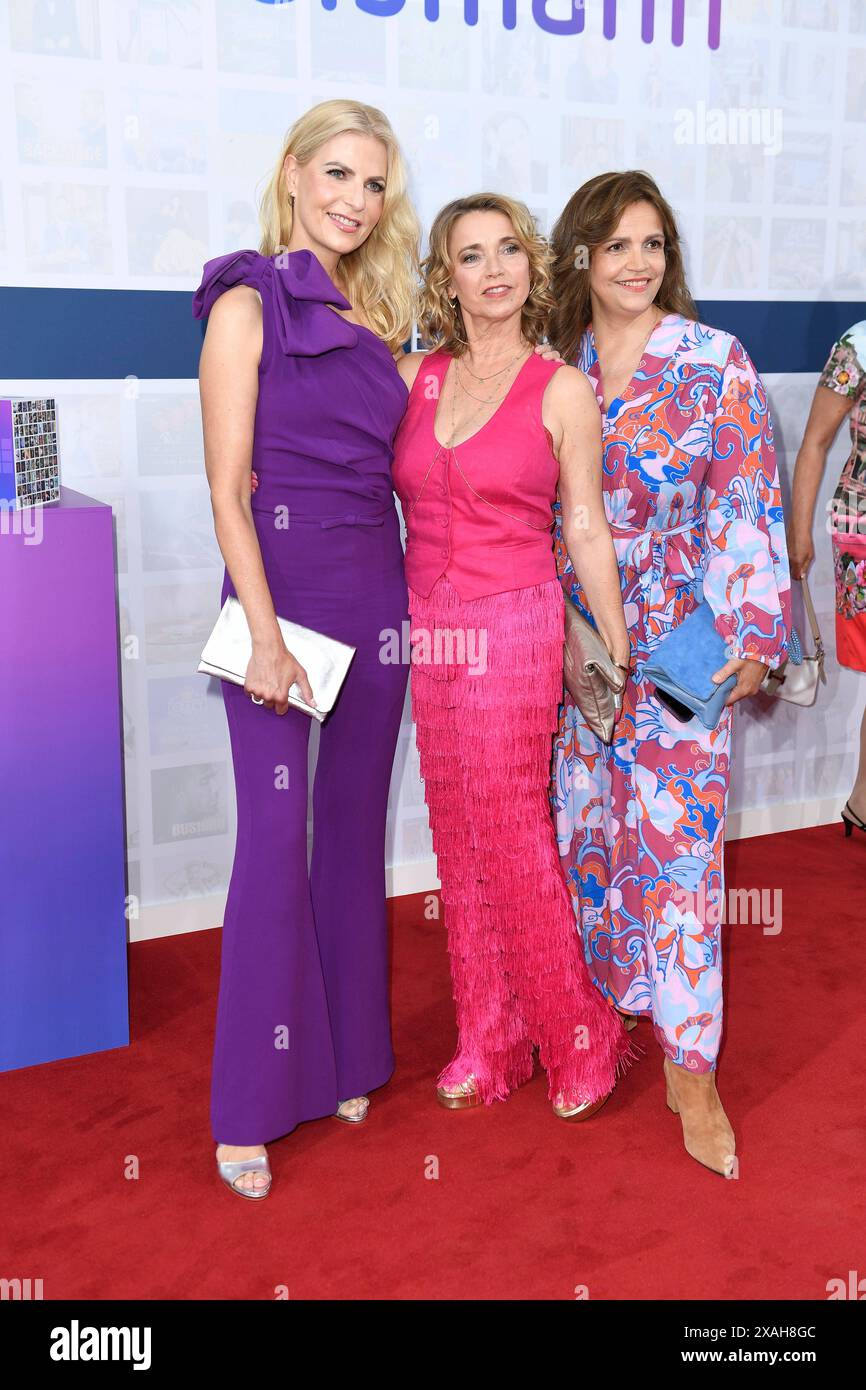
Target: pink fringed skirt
{"points": [[486, 688]]}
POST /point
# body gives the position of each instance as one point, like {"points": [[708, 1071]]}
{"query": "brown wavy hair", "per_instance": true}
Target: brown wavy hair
{"points": [[439, 321], [589, 218]]}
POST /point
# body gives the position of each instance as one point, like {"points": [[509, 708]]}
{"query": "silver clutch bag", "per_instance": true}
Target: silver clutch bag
{"points": [[229, 648], [592, 678]]}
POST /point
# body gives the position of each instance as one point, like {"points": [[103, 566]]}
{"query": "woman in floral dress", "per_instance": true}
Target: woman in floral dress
{"points": [[693, 500], [841, 391]]}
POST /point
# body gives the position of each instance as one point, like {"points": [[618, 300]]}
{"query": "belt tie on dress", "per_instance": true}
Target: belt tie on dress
{"points": [[346, 519], [353, 519], [654, 553]]}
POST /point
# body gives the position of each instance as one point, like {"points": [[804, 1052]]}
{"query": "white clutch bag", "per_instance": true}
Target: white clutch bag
{"points": [[326, 661], [797, 679]]}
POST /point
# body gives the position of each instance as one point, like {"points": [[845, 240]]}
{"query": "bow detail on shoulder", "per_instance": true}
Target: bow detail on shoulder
{"points": [[302, 292], [222, 273], [298, 291]]}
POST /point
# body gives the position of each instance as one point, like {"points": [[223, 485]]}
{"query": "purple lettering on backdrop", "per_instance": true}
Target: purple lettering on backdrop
{"points": [[560, 26], [470, 11], [715, 33], [647, 20], [386, 9], [678, 19]]}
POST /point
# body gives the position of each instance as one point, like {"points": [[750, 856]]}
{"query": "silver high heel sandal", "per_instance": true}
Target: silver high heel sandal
{"points": [[231, 1170], [354, 1119]]}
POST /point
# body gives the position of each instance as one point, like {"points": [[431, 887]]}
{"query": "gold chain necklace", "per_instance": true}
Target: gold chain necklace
{"points": [[492, 374], [545, 526], [469, 420], [485, 400], [450, 449]]}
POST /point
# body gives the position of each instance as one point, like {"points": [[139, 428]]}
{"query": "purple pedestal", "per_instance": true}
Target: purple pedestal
{"points": [[63, 983]]}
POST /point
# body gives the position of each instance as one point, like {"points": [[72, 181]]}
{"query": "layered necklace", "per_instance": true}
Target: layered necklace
{"points": [[484, 400], [492, 400]]}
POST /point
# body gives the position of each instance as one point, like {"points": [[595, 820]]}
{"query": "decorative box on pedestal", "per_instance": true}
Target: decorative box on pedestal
{"points": [[29, 461]]}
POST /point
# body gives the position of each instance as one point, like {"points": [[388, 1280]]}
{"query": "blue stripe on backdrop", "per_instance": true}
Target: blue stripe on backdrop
{"points": [[93, 334]]}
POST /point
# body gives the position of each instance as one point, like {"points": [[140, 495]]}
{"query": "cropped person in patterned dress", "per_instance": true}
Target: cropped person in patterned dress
{"points": [[692, 496], [841, 391]]}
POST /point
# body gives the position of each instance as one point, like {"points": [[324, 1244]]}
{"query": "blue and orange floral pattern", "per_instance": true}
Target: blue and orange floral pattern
{"points": [[692, 496]]}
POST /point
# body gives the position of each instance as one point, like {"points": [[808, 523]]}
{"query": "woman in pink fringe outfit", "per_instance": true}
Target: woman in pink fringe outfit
{"points": [[491, 429]]}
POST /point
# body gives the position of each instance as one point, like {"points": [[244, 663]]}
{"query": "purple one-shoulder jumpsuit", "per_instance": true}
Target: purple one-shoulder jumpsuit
{"points": [[303, 1017]]}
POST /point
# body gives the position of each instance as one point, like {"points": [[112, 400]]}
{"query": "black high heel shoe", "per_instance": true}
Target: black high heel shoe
{"points": [[851, 820]]}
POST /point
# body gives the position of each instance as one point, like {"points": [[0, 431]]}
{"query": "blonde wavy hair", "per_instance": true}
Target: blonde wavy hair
{"points": [[440, 322], [381, 275]]}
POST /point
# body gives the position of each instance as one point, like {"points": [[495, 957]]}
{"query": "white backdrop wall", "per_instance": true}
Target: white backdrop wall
{"points": [[135, 137]]}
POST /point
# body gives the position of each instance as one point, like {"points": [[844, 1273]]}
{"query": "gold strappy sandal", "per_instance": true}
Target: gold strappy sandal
{"points": [[582, 1111], [460, 1097]]}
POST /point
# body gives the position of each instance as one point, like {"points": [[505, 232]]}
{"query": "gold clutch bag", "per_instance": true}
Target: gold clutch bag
{"points": [[592, 678]]}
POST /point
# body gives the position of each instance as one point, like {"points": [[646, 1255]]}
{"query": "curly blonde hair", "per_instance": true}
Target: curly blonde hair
{"points": [[439, 321], [381, 275]]}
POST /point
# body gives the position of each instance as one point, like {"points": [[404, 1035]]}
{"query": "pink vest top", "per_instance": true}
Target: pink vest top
{"points": [[480, 513]]}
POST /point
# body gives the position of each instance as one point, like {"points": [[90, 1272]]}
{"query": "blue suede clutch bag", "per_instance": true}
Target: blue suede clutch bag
{"points": [[683, 662]]}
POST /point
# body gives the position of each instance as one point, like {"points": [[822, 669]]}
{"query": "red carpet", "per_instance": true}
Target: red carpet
{"points": [[524, 1206]]}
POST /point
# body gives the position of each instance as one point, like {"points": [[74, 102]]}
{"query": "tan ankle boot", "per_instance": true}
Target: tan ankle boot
{"points": [[707, 1133]]}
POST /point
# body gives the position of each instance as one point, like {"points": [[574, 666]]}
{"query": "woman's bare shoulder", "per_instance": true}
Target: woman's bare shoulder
{"points": [[408, 365], [237, 304], [569, 388], [235, 327], [236, 320]]}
